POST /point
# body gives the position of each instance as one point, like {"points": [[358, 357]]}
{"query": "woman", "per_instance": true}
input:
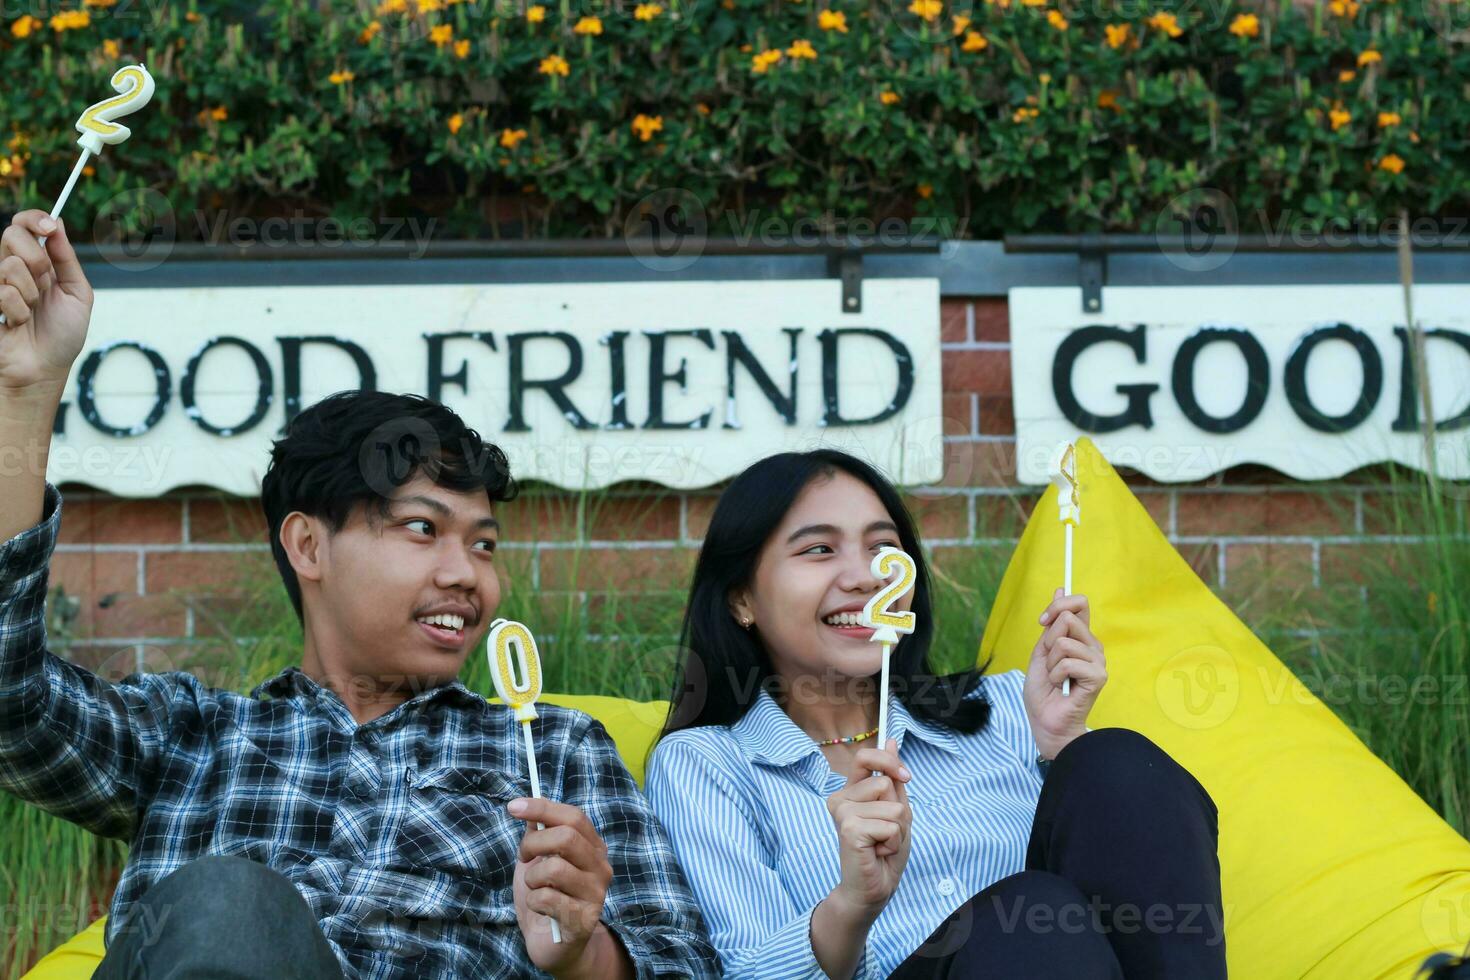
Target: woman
{"points": [[994, 834]]}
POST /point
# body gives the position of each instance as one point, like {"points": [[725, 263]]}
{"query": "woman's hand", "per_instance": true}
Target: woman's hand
{"points": [[873, 820], [1067, 648]]}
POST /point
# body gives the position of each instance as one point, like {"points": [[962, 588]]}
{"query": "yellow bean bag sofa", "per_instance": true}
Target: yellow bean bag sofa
{"points": [[1332, 867]]}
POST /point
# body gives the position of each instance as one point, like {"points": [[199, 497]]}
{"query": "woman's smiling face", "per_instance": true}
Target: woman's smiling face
{"points": [[815, 568]]}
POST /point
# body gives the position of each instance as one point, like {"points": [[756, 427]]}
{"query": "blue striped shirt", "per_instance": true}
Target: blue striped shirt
{"points": [[745, 807]]}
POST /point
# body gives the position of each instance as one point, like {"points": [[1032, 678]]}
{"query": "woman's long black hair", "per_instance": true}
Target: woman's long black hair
{"points": [[724, 667]]}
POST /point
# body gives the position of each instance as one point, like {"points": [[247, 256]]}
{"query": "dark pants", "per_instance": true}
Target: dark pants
{"points": [[224, 918], [1121, 880]]}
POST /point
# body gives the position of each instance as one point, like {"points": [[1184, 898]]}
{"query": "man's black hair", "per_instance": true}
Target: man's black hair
{"points": [[357, 448]]}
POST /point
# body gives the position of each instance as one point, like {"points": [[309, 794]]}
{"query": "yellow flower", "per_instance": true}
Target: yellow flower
{"points": [[553, 64], [510, 137], [340, 77], [888, 97], [455, 122], [111, 50], [646, 126], [1344, 8], [1057, 19], [25, 26], [219, 113], [1245, 25], [1338, 117], [1393, 163], [430, 6], [925, 191], [1346, 75], [764, 60], [462, 48], [974, 41], [392, 7], [1033, 3], [369, 32], [535, 13], [801, 49], [704, 110], [961, 24], [1117, 35], [98, 3], [1108, 99], [192, 17], [89, 170], [1369, 57], [1387, 119], [588, 25], [832, 20], [1024, 114], [927, 9], [69, 20], [647, 11], [441, 34], [1166, 22]]}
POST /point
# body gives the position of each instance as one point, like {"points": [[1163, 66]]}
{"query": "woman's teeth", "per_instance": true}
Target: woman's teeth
{"points": [[446, 620], [844, 619]]}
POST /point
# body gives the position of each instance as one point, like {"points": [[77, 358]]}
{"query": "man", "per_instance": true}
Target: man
{"points": [[364, 814]]}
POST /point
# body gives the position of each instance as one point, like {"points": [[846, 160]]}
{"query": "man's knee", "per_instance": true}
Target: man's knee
{"points": [[221, 890]]}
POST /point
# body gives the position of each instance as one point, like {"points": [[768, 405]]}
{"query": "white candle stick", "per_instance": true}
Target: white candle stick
{"points": [[887, 625], [135, 89], [511, 646], [1069, 512]]}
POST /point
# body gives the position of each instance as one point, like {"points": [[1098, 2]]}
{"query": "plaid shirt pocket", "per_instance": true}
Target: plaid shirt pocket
{"points": [[455, 821]]}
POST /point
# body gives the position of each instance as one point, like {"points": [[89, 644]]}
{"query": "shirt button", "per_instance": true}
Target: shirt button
{"points": [[946, 886]]}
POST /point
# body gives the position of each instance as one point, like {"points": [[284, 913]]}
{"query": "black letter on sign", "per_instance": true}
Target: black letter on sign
{"points": [[1296, 379], [552, 386], [901, 356], [87, 395], [291, 368], [1408, 420], [263, 394], [616, 342], [1137, 412], [1257, 378], [735, 350], [437, 378], [658, 376]]}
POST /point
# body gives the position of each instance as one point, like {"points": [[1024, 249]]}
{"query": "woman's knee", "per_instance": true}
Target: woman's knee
{"points": [[1108, 761], [1037, 924]]}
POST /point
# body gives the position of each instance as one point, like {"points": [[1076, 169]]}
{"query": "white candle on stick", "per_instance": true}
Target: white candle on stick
{"points": [[886, 624], [511, 646], [98, 126], [1069, 512]]}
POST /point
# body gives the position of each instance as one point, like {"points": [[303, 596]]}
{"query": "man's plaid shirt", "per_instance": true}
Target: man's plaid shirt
{"points": [[395, 832]]}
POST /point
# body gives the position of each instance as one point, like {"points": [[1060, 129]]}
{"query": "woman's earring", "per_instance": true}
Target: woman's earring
{"points": [[747, 622]]}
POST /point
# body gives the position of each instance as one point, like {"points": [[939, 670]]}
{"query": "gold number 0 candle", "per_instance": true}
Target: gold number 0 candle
{"points": [[515, 669], [886, 624]]}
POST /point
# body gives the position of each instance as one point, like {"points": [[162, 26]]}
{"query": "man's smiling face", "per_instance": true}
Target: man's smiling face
{"points": [[402, 599]]}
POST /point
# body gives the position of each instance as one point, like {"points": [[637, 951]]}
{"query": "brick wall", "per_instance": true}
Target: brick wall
{"points": [[143, 573]]}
